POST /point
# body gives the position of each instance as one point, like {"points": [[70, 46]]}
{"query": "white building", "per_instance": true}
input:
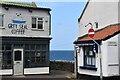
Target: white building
{"points": [[25, 38], [103, 17]]}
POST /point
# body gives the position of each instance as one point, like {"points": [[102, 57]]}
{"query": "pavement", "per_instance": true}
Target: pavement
{"points": [[54, 75]]}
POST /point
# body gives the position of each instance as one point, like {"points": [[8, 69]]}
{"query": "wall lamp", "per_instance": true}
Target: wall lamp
{"points": [[96, 24]]}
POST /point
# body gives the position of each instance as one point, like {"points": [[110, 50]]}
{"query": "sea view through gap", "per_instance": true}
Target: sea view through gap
{"points": [[62, 55]]}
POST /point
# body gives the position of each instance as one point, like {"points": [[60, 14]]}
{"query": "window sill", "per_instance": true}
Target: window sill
{"points": [[2, 27], [37, 29], [88, 68]]}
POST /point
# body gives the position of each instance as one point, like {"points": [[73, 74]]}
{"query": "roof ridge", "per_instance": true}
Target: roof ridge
{"points": [[18, 3]]}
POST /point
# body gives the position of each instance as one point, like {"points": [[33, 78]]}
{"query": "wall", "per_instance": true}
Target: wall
{"points": [[112, 56], [10, 14], [105, 13], [62, 65]]}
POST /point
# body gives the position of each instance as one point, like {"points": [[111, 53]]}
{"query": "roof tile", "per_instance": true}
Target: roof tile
{"points": [[102, 34]]}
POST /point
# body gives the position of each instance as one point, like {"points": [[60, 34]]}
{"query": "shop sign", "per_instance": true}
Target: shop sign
{"points": [[112, 43], [17, 26]]}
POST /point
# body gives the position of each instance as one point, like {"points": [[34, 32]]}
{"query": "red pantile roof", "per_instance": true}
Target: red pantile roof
{"points": [[102, 34]]}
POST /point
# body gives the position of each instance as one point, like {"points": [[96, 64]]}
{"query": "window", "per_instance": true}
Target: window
{"points": [[38, 57], [6, 60], [89, 56], [35, 55], [18, 56], [1, 20], [37, 23]]}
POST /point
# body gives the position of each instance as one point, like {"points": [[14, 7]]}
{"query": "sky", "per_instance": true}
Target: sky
{"points": [[64, 22]]}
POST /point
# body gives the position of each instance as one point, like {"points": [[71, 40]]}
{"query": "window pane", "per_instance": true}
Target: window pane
{"points": [[32, 47], [8, 47], [43, 54], [43, 47], [33, 57], [8, 54], [93, 61], [89, 56], [18, 56], [6, 60], [40, 19], [37, 59], [27, 60], [38, 47], [1, 20], [27, 47], [40, 24], [33, 22], [1, 47]]}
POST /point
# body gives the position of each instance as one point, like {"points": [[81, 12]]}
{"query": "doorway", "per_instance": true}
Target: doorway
{"points": [[18, 61]]}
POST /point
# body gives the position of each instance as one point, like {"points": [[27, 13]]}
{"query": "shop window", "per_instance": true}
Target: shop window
{"points": [[36, 55], [1, 20], [89, 56], [6, 60], [37, 23], [27, 59]]}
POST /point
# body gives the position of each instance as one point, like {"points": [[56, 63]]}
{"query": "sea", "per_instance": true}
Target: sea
{"points": [[61, 55]]}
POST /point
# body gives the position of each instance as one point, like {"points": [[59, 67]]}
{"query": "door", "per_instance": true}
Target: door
{"points": [[18, 61]]}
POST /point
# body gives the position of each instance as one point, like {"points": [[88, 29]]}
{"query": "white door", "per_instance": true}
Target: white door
{"points": [[18, 61]]}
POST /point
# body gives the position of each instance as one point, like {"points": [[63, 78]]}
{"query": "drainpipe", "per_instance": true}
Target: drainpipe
{"points": [[119, 51], [75, 61], [119, 36]]}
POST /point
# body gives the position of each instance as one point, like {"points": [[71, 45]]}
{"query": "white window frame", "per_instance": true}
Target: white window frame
{"points": [[89, 59], [37, 19]]}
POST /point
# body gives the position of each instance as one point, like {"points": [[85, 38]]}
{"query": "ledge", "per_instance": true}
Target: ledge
{"points": [[88, 68], [37, 29], [2, 27]]}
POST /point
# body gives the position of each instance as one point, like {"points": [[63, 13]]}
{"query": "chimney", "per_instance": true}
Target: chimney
{"points": [[33, 4]]}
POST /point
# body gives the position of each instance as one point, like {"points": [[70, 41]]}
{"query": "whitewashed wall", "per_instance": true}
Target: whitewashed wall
{"points": [[113, 57], [10, 14], [105, 13], [110, 59]]}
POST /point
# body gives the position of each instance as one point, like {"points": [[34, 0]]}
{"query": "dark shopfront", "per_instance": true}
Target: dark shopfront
{"points": [[24, 52]]}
